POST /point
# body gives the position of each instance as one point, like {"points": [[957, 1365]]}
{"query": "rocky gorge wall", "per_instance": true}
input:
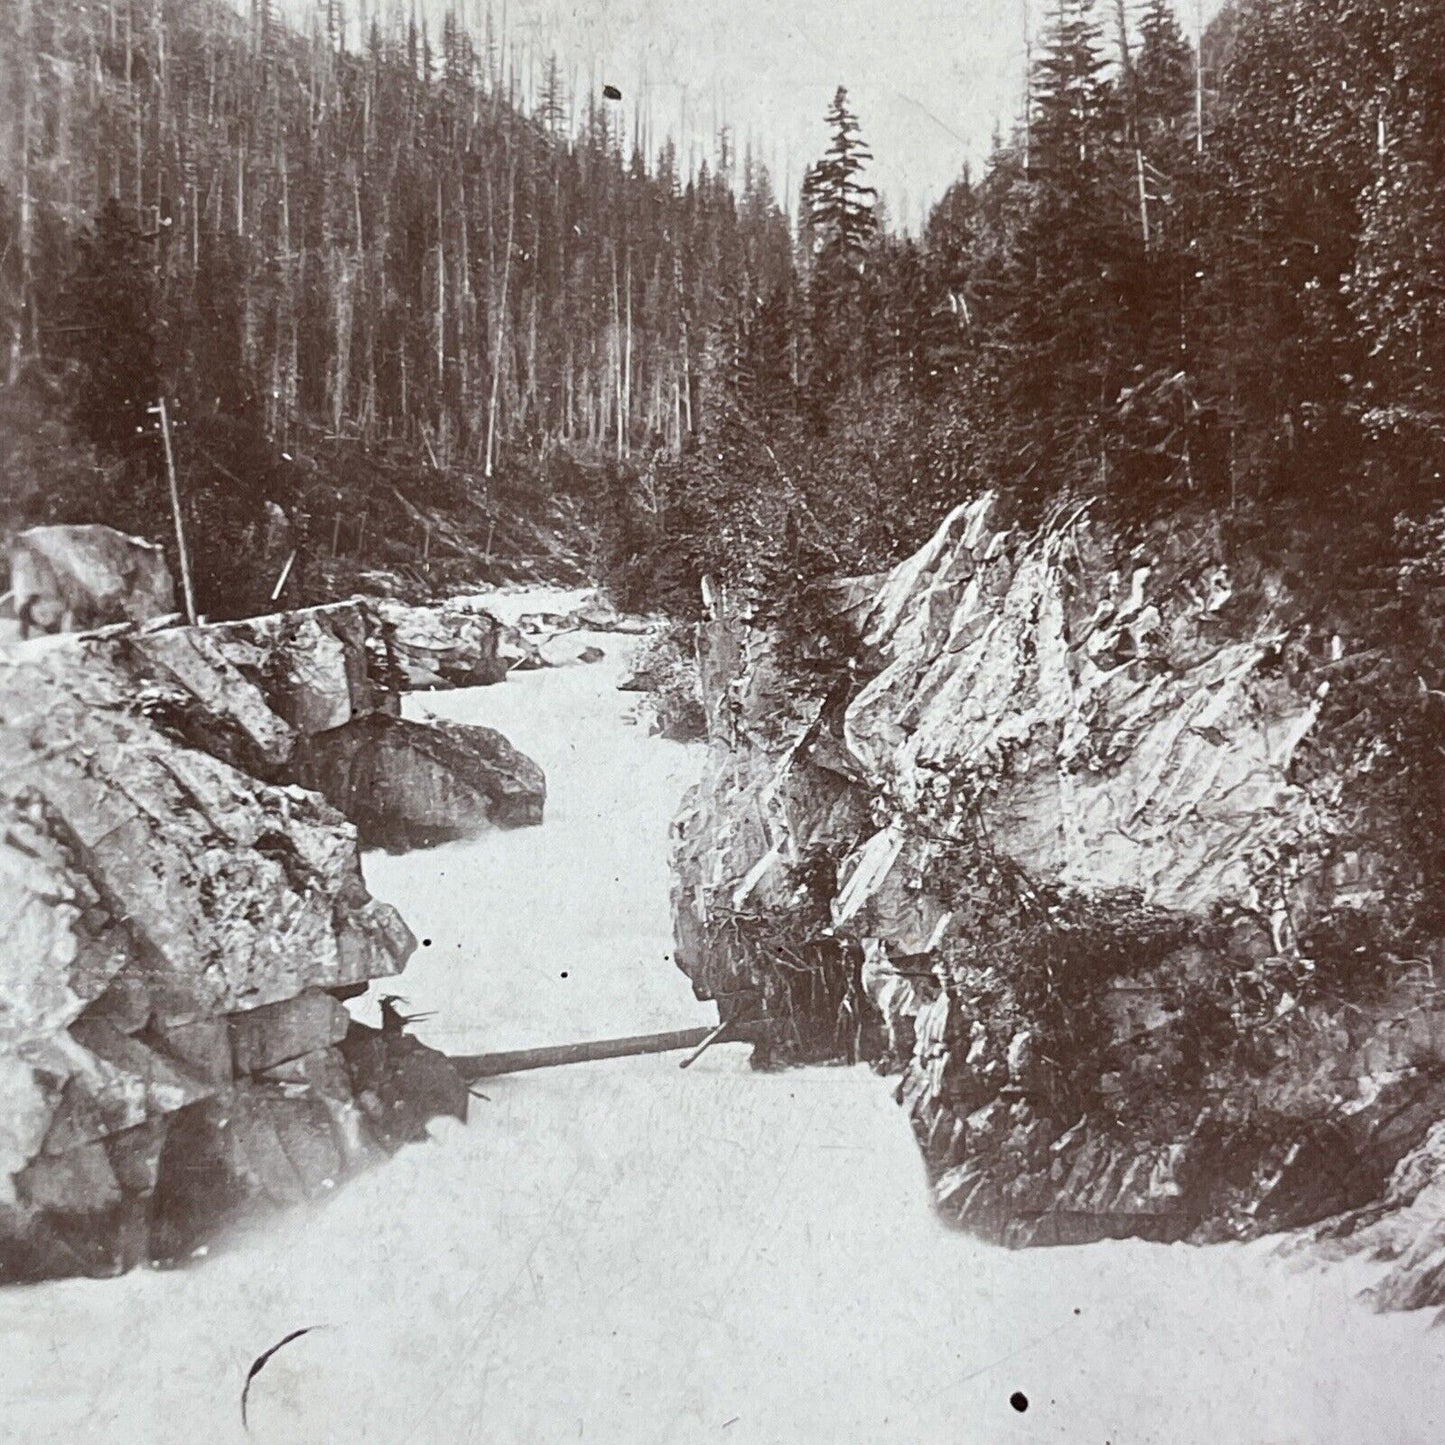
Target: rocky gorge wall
{"points": [[185, 915], [1103, 844]]}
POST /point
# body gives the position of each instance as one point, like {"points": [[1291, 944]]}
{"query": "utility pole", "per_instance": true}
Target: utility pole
{"points": [[160, 410]]}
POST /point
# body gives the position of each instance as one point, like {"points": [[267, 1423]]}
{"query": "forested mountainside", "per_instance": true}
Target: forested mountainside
{"points": [[384, 293], [341, 255]]}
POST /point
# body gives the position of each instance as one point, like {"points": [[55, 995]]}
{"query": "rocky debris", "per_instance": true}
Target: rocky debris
{"points": [[306, 698], [1064, 841], [568, 650], [520, 652], [411, 783], [456, 644], [595, 613], [75, 577]]}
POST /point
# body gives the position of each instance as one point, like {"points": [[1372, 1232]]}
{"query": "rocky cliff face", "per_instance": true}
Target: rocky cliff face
{"points": [[183, 922], [1083, 844]]}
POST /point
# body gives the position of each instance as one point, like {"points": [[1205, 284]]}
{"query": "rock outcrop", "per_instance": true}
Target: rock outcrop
{"points": [[184, 920], [175, 927], [1093, 841], [406, 783]]}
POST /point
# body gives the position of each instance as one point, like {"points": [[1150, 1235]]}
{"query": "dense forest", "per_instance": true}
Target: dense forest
{"points": [[360, 266], [1183, 281]]}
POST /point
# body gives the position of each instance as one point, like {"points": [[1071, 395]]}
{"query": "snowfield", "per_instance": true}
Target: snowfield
{"points": [[623, 1252]]}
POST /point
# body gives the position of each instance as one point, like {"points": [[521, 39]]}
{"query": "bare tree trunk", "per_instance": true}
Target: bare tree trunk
{"points": [[501, 321], [686, 358], [627, 364], [1143, 196], [441, 336], [616, 349], [1199, 76], [23, 319]]}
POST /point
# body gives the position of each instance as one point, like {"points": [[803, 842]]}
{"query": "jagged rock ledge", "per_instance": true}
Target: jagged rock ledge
{"points": [[1112, 852], [183, 920]]}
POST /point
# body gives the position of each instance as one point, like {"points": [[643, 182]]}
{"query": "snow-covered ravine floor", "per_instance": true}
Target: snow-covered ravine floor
{"points": [[623, 1252]]}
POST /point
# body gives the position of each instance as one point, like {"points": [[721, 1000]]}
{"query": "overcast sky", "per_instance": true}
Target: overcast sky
{"points": [[930, 79]]}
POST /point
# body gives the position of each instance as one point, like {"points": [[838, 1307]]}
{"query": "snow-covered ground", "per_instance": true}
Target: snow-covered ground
{"points": [[623, 1252]]}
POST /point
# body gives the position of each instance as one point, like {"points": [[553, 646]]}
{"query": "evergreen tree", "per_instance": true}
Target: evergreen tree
{"points": [[839, 206], [1164, 76], [1074, 103], [841, 228], [1079, 253]]}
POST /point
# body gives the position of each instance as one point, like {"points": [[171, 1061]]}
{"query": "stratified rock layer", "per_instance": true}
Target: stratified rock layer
{"points": [[1069, 843]]}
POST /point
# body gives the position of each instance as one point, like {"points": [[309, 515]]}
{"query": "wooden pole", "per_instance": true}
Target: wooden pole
{"points": [[184, 553]]}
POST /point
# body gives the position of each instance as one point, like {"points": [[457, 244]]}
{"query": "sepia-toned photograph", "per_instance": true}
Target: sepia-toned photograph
{"points": [[722, 720]]}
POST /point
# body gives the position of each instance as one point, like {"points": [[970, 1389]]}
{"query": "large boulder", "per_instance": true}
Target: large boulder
{"points": [[406, 782], [64, 578]]}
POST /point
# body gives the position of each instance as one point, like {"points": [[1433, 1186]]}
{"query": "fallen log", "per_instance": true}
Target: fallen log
{"points": [[515, 1061]]}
